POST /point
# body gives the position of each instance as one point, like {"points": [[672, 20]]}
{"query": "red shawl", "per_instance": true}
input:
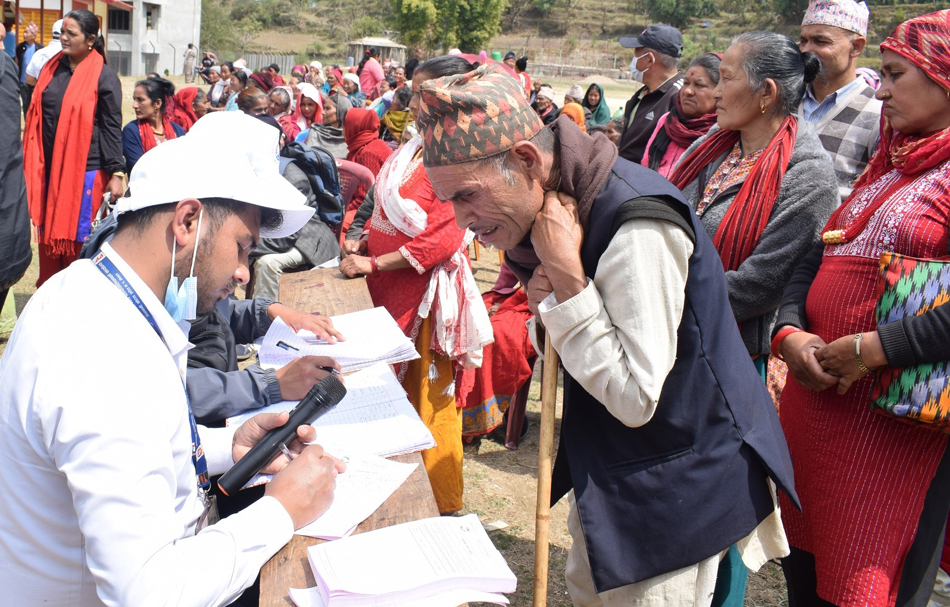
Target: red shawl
{"points": [[185, 110], [684, 131], [57, 223], [148, 135], [744, 222]]}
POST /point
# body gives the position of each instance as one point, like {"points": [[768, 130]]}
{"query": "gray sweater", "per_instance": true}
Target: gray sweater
{"points": [[807, 197]]}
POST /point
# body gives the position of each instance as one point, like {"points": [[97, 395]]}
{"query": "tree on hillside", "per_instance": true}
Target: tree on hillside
{"points": [[466, 24], [247, 29], [217, 31], [677, 13]]}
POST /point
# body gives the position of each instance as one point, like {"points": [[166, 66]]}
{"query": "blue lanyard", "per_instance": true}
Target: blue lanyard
{"points": [[111, 272]]}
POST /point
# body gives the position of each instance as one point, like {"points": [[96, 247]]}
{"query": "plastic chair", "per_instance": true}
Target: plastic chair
{"points": [[352, 175]]}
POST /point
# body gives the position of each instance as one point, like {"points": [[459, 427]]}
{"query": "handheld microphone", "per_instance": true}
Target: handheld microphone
{"points": [[322, 397]]}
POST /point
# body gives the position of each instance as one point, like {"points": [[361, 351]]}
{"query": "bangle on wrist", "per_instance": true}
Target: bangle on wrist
{"points": [[119, 174], [374, 265], [776, 346], [857, 353]]}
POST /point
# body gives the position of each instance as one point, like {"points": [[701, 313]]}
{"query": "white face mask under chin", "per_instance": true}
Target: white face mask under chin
{"points": [[182, 303]]}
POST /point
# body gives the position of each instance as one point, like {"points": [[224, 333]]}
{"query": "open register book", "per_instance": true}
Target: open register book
{"points": [[372, 336], [413, 563]]}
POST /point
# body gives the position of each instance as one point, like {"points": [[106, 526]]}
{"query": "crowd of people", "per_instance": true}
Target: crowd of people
{"points": [[708, 265]]}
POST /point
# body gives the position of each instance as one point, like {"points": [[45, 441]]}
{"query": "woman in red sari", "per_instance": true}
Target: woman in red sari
{"points": [[873, 489], [72, 143], [416, 266]]}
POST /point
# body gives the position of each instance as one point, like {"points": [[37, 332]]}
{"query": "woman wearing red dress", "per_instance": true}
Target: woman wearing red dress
{"points": [[416, 266], [873, 489]]}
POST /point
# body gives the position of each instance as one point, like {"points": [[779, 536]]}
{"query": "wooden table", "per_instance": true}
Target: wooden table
{"points": [[329, 292]]}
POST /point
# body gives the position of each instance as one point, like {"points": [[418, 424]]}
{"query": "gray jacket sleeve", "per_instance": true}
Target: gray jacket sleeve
{"points": [[248, 318], [216, 396], [363, 215]]}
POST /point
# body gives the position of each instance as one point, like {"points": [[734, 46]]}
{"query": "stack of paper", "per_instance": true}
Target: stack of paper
{"points": [[423, 562], [367, 482], [374, 417], [372, 336]]}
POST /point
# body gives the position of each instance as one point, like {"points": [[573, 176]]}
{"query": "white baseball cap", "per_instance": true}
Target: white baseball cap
{"points": [[224, 155], [57, 27]]}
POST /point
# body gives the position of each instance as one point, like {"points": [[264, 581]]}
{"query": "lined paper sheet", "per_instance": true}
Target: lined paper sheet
{"points": [[374, 418], [367, 482], [372, 336], [310, 597]]}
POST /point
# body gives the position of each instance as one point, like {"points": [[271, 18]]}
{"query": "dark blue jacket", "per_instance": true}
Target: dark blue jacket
{"points": [[132, 143], [692, 481]]}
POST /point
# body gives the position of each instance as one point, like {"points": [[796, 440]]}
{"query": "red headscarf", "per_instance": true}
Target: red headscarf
{"points": [[361, 133], [57, 223], [744, 222], [185, 107], [360, 126], [310, 92], [925, 42], [263, 80]]}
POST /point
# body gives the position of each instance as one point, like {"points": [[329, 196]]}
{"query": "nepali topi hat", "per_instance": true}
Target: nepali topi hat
{"points": [[473, 116], [845, 14]]}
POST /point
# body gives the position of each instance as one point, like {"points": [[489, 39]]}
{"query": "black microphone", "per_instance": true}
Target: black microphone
{"points": [[322, 397]]}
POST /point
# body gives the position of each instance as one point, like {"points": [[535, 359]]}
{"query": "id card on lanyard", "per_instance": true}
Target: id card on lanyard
{"points": [[210, 514]]}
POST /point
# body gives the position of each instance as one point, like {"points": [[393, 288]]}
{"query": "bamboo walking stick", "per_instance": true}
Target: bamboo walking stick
{"points": [[545, 465]]}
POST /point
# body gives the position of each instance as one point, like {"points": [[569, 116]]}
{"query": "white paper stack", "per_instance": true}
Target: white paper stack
{"points": [[372, 336], [367, 482], [425, 562], [374, 418]]}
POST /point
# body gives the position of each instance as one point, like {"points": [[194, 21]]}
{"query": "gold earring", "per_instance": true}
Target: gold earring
{"points": [[762, 108]]}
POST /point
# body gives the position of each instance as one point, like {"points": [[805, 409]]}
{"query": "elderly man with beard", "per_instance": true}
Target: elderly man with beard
{"points": [[669, 437], [105, 468]]}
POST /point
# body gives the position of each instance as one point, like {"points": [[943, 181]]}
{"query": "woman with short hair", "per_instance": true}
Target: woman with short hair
{"points": [[238, 82], [692, 115], [153, 121], [871, 487]]}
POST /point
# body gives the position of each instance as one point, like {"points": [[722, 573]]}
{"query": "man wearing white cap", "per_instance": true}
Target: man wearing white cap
{"points": [[839, 102], [105, 468], [41, 56]]}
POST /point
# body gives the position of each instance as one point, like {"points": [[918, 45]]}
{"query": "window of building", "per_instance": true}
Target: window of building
{"points": [[152, 15], [119, 20]]}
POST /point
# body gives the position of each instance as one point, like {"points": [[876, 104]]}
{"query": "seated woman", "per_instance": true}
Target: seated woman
{"points": [[595, 101], [872, 487], [361, 133], [252, 101], [394, 121], [238, 84], [308, 109], [693, 114], [329, 135], [762, 185], [351, 85], [190, 104], [278, 106], [544, 105], [151, 126], [575, 112], [416, 266]]}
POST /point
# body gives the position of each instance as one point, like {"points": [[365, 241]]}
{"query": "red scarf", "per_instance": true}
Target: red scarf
{"points": [[57, 223], [684, 131], [910, 155], [148, 135], [185, 111], [744, 222], [360, 127]]}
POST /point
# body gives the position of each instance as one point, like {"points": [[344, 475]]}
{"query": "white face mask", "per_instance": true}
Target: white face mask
{"points": [[634, 72], [182, 303]]}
